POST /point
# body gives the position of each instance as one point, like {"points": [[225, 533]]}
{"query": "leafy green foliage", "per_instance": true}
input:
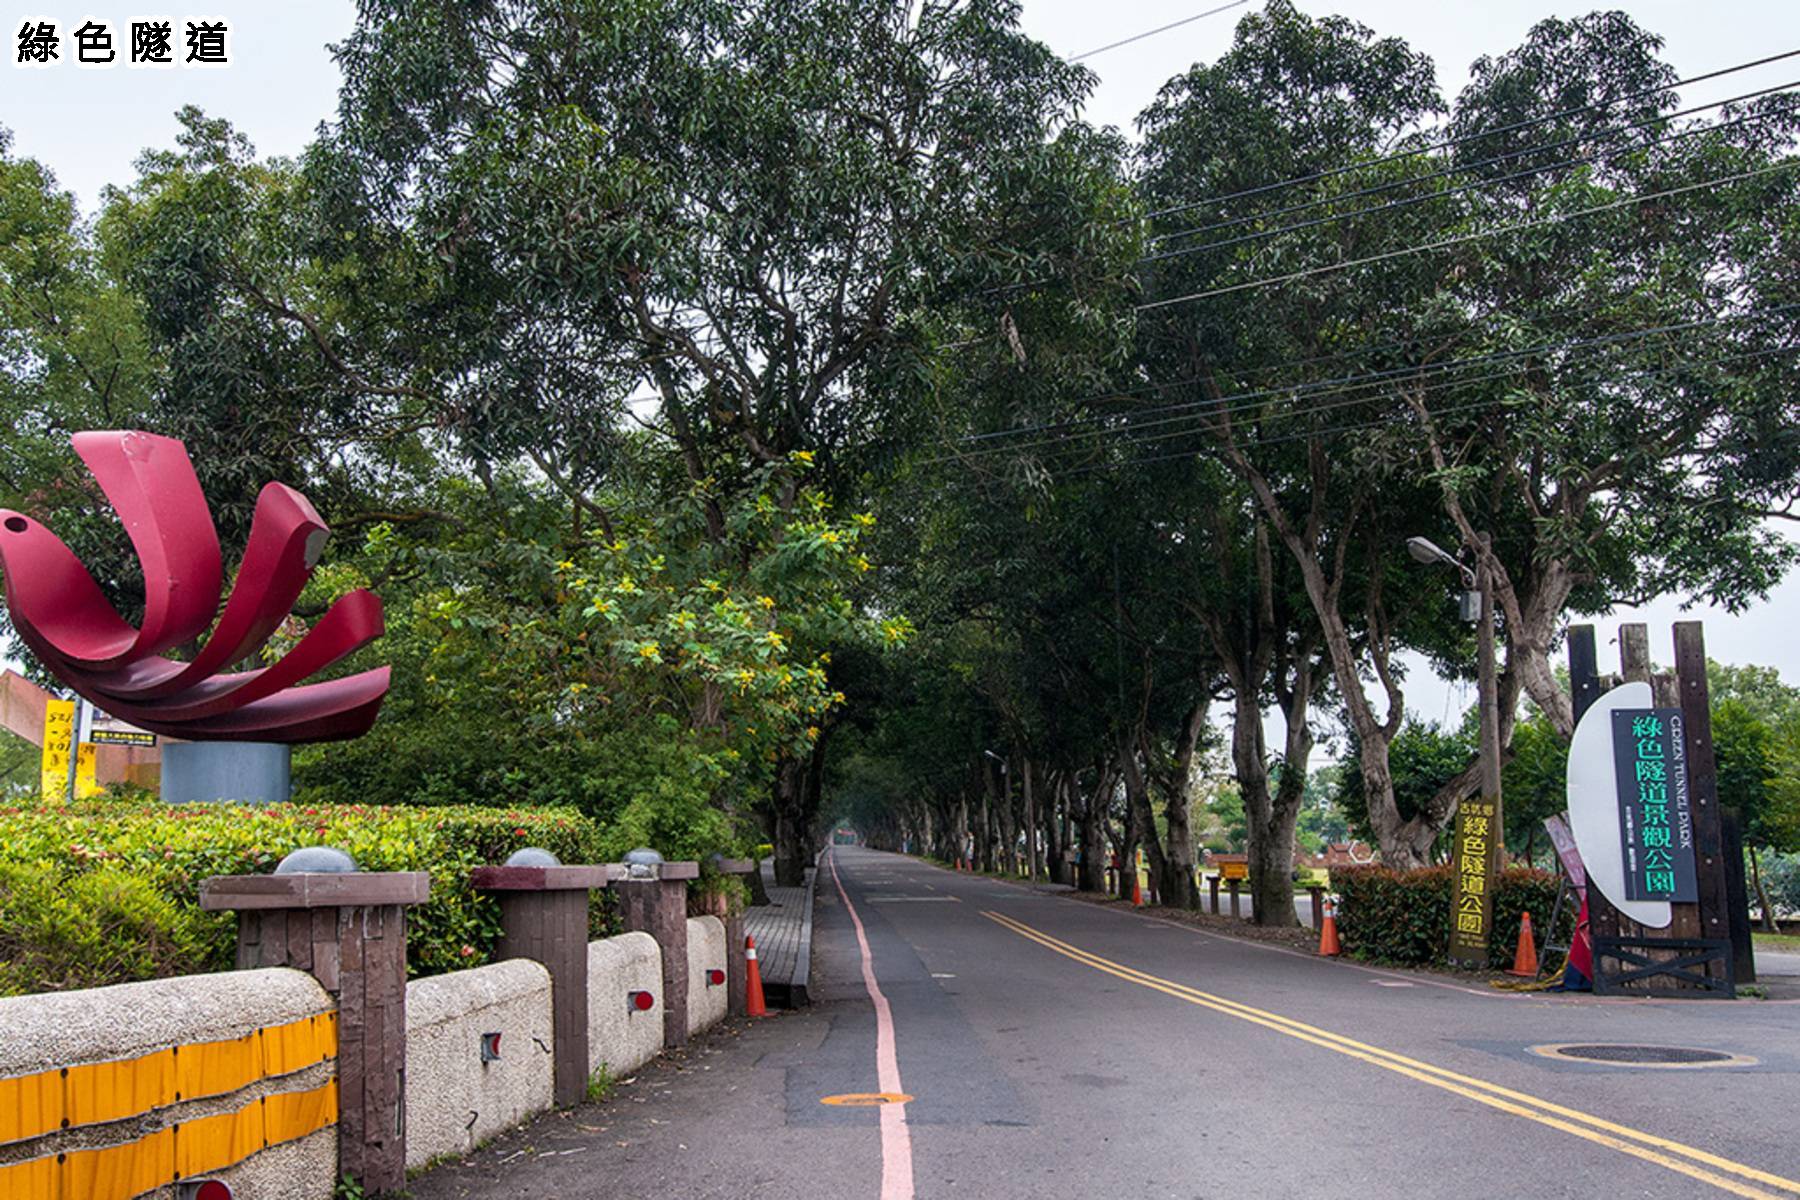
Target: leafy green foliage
{"points": [[147, 860], [63, 928]]}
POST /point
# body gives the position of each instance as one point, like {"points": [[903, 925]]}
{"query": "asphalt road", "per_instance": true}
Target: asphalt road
{"points": [[1055, 1047]]}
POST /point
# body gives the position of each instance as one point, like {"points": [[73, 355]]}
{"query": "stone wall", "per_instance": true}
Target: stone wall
{"points": [[102, 1089], [706, 952], [454, 1099], [621, 1038]]}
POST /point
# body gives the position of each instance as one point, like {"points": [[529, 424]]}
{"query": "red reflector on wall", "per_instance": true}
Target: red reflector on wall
{"points": [[715, 977], [641, 1001]]}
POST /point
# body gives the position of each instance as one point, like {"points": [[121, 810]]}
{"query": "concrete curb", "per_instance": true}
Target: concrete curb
{"points": [[797, 994]]}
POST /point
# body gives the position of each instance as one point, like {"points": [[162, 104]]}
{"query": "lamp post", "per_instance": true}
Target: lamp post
{"points": [[1477, 603]]}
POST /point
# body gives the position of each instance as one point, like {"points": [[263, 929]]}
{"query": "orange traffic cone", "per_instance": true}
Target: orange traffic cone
{"points": [[753, 993], [1525, 961], [1328, 938]]}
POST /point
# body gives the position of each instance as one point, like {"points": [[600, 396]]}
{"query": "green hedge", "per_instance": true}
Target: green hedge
{"points": [[1404, 916], [107, 890]]}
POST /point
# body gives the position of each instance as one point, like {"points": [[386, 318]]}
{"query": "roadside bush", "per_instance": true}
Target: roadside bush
{"points": [[73, 929], [125, 878], [1781, 879], [1403, 917]]}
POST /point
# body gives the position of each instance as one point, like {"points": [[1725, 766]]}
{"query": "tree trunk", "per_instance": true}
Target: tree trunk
{"points": [[1140, 820], [790, 823], [1093, 834], [1031, 822], [1053, 828], [1770, 925]]}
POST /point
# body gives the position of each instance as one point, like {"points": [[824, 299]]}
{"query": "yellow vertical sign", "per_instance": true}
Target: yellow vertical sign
{"points": [[87, 757], [59, 747]]}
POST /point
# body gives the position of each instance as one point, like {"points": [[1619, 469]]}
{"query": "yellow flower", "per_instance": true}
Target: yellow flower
{"points": [[766, 601], [650, 651], [812, 733], [830, 537], [803, 456]]}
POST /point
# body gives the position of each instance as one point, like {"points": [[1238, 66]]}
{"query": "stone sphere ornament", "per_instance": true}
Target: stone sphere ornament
{"points": [[533, 856], [317, 860]]}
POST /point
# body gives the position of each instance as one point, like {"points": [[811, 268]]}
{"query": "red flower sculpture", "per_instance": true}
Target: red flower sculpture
{"points": [[62, 615]]}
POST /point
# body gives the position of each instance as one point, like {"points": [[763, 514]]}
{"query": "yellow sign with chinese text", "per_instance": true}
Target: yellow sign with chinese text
{"points": [[1473, 855], [87, 757], [59, 748]]}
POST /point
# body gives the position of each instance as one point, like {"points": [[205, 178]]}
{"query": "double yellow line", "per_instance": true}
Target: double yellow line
{"points": [[1734, 1177]]}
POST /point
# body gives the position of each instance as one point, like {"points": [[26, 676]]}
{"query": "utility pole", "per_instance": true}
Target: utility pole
{"points": [[1479, 845], [1489, 700]]}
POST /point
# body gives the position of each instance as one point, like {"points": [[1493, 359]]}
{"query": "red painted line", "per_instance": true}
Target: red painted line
{"points": [[896, 1138]]}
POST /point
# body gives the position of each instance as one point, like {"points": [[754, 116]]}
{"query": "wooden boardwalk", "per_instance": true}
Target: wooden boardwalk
{"points": [[783, 932]]}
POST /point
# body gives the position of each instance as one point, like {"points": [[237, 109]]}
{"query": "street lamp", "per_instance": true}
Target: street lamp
{"points": [[1478, 604]]}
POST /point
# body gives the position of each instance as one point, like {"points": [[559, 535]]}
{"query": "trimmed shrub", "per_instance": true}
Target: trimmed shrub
{"points": [[124, 878], [1403, 917], [61, 929]]}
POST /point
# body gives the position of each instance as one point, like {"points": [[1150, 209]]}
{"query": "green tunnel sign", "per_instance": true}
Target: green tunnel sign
{"points": [[1656, 820]]}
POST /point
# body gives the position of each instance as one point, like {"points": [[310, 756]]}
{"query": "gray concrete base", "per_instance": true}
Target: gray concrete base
{"points": [[237, 772]]}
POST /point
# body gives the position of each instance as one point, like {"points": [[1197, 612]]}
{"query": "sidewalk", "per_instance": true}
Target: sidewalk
{"points": [[783, 932]]}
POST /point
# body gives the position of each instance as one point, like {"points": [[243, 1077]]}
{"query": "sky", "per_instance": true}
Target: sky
{"points": [[89, 125]]}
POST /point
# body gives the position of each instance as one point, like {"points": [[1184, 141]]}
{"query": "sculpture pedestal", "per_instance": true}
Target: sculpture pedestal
{"points": [[234, 772]]}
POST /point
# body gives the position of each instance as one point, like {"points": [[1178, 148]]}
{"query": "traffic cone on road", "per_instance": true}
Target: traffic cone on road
{"points": [[1328, 938], [753, 993], [1525, 960]]}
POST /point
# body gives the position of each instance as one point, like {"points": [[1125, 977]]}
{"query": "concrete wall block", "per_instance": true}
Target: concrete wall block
{"points": [[619, 1037], [706, 952], [454, 1101]]}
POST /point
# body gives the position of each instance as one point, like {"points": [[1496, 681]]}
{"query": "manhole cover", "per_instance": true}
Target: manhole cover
{"points": [[1631, 1055]]}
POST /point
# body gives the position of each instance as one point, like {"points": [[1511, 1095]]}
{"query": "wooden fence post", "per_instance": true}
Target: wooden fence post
{"points": [[347, 929]]}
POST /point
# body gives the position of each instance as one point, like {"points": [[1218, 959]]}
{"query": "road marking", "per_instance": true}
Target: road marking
{"points": [[896, 1138], [865, 1099], [915, 900], [1624, 1139]]}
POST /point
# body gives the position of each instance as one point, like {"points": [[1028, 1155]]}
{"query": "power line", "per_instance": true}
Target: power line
{"points": [[1472, 406], [1138, 37], [1391, 185], [1445, 243], [1445, 143], [1442, 385], [1240, 401]]}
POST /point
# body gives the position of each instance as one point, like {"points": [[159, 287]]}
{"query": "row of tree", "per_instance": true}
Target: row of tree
{"points": [[738, 404], [1550, 324]]}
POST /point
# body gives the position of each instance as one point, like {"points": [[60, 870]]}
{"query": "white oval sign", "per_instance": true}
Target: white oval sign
{"points": [[1594, 804]]}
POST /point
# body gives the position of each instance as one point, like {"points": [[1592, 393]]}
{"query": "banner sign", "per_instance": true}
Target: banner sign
{"points": [[1472, 916], [1564, 841], [1656, 820]]}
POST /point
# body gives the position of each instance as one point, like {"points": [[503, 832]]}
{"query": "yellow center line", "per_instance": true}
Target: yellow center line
{"points": [[1621, 1138]]}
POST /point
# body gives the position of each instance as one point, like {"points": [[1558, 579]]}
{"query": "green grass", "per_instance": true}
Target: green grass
{"points": [[600, 1085], [1785, 943]]}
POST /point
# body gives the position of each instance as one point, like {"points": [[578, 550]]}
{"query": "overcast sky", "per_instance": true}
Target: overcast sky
{"points": [[89, 125]]}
